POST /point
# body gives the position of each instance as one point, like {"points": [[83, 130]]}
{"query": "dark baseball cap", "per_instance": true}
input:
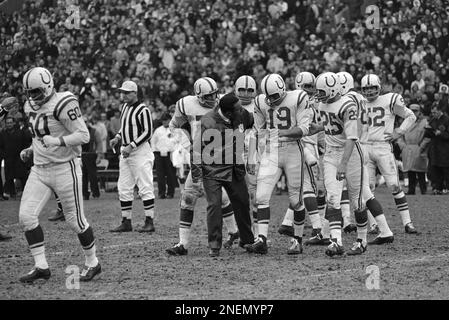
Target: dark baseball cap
{"points": [[227, 102]]}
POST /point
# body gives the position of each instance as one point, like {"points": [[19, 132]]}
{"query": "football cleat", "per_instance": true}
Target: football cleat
{"points": [[334, 249], [125, 226], [350, 228], [374, 229], [357, 248], [286, 230], [214, 252], [177, 250], [58, 216], [245, 245], [89, 273], [36, 273], [381, 240], [231, 238], [148, 226], [317, 240], [296, 247], [410, 229], [260, 246]]}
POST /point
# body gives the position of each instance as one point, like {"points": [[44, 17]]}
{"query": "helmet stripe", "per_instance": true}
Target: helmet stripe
{"points": [[246, 82], [210, 83], [367, 81], [266, 81], [27, 76]]}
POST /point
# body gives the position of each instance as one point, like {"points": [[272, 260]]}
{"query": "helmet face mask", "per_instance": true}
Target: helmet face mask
{"points": [[309, 88], [209, 100], [306, 81], [245, 95], [245, 89], [371, 92], [321, 96]]}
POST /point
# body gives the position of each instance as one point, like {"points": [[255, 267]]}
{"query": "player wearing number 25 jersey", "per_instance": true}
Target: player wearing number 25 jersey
{"points": [[285, 118], [58, 132], [380, 116]]}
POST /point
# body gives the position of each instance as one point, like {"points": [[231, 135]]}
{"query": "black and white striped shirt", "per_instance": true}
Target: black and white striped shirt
{"points": [[136, 125]]}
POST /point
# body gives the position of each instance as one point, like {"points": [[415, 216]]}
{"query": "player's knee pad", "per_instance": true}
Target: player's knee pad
{"points": [[28, 220], [394, 188], [262, 198], [188, 200], [295, 203], [333, 201]]}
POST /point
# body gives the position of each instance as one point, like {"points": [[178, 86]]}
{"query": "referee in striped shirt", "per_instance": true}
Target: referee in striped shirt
{"points": [[136, 159]]}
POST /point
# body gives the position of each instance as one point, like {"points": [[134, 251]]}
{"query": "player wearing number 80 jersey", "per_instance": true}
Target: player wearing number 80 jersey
{"points": [[381, 111], [285, 117], [58, 132]]}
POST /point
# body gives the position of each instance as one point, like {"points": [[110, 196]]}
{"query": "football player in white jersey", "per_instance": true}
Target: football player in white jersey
{"points": [[7, 104], [343, 159], [246, 89], [285, 117], [313, 186], [380, 116], [58, 132], [189, 111]]}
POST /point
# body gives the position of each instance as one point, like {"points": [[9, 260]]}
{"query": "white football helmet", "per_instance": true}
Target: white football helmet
{"points": [[327, 86], [346, 82], [245, 89], [206, 90], [38, 86], [370, 86], [306, 82], [273, 86]]}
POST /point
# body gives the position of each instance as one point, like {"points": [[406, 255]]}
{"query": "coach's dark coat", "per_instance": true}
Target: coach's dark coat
{"points": [[12, 142], [213, 120]]}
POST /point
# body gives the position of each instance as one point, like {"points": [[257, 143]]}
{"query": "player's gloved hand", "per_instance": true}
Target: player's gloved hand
{"points": [[26, 154], [127, 151], [49, 141], [251, 169], [9, 103], [341, 171]]}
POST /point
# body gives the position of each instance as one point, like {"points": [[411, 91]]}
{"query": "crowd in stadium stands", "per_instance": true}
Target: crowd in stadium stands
{"points": [[165, 46]]}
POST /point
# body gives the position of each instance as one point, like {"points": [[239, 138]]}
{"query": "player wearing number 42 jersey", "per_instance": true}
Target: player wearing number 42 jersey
{"points": [[58, 133], [380, 116]]}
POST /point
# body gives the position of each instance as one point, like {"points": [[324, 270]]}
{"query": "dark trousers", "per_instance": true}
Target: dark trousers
{"points": [[416, 177], [238, 194], [166, 174], [90, 175], [440, 177]]}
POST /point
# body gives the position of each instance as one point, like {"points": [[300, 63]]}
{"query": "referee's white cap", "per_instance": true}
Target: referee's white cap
{"points": [[128, 86]]}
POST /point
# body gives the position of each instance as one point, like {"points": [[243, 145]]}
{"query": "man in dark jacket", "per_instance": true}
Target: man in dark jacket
{"points": [[12, 141], [438, 132], [218, 160]]}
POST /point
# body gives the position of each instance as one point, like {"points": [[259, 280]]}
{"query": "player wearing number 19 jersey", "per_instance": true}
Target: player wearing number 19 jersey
{"points": [[380, 117], [285, 117], [58, 133]]}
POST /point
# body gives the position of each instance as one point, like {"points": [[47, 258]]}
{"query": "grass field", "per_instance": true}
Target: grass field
{"points": [[135, 266]]}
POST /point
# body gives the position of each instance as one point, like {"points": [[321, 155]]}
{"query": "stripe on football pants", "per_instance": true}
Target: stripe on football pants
{"points": [[76, 194]]}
